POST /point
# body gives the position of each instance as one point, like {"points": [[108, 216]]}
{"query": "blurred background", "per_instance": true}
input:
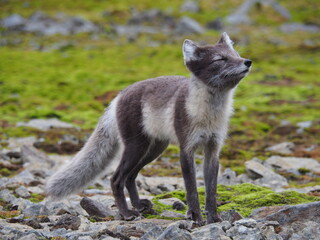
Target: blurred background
{"points": [[66, 60]]}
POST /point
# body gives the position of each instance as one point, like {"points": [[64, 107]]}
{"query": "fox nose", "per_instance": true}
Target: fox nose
{"points": [[248, 62]]}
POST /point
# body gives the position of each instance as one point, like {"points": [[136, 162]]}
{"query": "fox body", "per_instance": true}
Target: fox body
{"points": [[148, 115]]}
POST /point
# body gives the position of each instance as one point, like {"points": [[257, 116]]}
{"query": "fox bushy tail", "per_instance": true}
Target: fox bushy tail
{"points": [[90, 161]]}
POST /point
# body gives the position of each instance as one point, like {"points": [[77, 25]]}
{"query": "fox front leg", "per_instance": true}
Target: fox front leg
{"points": [[188, 172], [211, 169]]}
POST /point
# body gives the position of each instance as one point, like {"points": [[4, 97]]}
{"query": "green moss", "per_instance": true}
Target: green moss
{"points": [[304, 170], [246, 197], [242, 197], [35, 197], [239, 169], [5, 172]]}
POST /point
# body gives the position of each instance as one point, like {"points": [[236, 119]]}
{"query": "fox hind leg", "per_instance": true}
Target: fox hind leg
{"points": [[134, 152], [155, 149]]}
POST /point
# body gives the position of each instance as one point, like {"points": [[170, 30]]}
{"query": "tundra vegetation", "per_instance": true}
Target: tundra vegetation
{"points": [[74, 77]]}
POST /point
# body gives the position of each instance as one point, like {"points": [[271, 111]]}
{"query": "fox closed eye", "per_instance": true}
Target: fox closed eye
{"points": [[218, 59]]}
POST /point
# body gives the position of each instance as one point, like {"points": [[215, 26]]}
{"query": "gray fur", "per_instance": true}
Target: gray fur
{"points": [[149, 114]]}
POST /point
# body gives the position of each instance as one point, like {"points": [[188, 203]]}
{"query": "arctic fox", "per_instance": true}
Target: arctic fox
{"points": [[148, 115]]}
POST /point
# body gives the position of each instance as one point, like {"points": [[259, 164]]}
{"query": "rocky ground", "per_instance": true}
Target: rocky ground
{"points": [[27, 214], [269, 180]]}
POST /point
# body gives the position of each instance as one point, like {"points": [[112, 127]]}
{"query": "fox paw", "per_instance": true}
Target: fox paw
{"points": [[196, 217], [213, 219], [130, 215]]}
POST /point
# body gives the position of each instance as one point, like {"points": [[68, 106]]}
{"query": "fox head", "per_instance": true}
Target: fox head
{"points": [[218, 66]]}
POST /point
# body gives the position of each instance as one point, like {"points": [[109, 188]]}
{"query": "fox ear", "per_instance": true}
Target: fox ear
{"points": [[225, 39], [188, 50]]}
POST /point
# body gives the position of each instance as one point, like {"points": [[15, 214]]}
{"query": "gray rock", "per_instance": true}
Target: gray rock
{"points": [[244, 178], [226, 225], [170, 201], [13, 22], [171, 214], [7, 196], [25, 177], [187, 25], [241, 15], [228, 177], [287, 163], [152, 234], [263, 176], [261, 213], [105, 200], [208, 232], [166, 187], [306, 124], [297, 222], [302, 230], [80, 25], [22, 192], [30, 154], [298, 27], [174, 232], [230, 216], [283, 148], [268, 232], [68, 221], [182, 224], [86, 238], [216, 24], [3, 182], [278, 8], [290, 214], [30, 236], [14, 143], [157, 185], [43, 24], [108, 238], [34, 223], [190, 6], [178, 205], [256, 170], [45, 124], [250, 223], [245, 229], [55, 208], [94, 208], [38, 190], [133, 30], [311, 189], [35, 209], [21, 203]]}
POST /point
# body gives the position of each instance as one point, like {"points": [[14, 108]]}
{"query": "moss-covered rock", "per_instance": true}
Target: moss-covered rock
{"points": [[242, 197]]}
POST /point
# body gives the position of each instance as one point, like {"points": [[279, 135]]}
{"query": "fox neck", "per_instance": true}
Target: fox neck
{"points": [[204, 100]]}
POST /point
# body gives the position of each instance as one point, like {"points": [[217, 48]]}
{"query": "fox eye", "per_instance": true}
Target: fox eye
{"points": [[219, 58]]}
